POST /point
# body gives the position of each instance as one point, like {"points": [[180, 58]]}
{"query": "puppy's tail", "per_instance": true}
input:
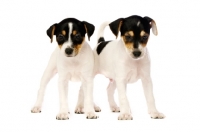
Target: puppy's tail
{"points": [[100, 37]]}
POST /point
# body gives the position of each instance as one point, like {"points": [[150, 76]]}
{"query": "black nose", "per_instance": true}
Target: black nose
{"points": [[136, 53], [68, 51]]}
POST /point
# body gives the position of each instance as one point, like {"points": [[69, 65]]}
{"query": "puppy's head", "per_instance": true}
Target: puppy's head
{"points": [[135, 32], [70, 35]]}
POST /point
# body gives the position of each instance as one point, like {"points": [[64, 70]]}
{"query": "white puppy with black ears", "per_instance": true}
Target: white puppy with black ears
{"points": [[125, 61], [73, 60]]}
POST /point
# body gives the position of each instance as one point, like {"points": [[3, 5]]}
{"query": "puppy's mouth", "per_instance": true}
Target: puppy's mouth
{"points": [[69, 55]]}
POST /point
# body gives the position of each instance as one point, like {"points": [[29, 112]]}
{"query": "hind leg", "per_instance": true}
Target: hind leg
{"points": [[110, 92], [49, 72]]}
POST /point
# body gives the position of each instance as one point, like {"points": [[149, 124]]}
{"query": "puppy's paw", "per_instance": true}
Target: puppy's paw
{"points": [[97, 109], [125, 116], [62, 116], [79, 110], [115, 109], [156, 115], [36, 109], [91, 115]]}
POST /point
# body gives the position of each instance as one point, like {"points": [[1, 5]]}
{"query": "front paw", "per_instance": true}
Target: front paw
{"points": [[91, 115], [156, 115], [36, 109], [97, 109], [62, 116], [115, 109], [79, 110], [125, 116]]}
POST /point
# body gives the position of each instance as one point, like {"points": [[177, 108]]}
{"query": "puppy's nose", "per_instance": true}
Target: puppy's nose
{"points": [[68, 51], [136, 53]]}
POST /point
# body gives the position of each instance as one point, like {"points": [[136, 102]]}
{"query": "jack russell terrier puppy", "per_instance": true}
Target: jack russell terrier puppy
{"points": [[125, 61], [73, 60]]}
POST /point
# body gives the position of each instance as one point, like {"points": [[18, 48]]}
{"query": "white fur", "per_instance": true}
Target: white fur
{"points": [[77, 68], [138, 23], [119, 66]]}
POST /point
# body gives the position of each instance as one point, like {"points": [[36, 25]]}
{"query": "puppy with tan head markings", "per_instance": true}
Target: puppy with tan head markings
{"points": [[73, 60], [126, 60]]}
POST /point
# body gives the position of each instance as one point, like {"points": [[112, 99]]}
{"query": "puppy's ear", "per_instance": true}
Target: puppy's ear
{"points": [[51, 31], [152, 24], [89, 29], [115, 26]]}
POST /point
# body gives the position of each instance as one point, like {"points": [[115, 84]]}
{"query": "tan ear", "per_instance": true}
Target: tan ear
{"points": [[152, 24], [154, 27], [89, 29], [51, 31], [115, 26]]}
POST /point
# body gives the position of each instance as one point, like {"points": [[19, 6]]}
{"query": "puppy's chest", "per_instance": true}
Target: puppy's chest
{"points": [[72, 70], [74, 73], [133, 74], [73, 66]]}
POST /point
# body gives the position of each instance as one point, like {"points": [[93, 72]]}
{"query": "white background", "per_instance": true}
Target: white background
{"points": [[25, 50]]}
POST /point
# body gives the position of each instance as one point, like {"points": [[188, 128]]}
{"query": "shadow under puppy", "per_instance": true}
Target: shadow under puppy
{"points": [[73, 60], [126, 60]]}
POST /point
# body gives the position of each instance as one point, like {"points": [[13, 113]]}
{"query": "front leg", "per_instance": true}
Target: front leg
{"points": [[88, 98], [125, 113], [49, 72], [63, 93], [80, 104], [148, 92]]}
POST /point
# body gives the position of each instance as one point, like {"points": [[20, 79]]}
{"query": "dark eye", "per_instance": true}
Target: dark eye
{"points": [[77, 37], [60, 37], [144, 38], [128, 38]]}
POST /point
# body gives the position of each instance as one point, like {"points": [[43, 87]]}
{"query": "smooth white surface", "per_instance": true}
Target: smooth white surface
{"points": [[25, 51]]}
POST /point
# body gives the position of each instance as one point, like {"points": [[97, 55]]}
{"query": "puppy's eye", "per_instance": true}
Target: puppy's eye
{"points": [[128, 38], [77, 37], [60, 37], [144, 38]]}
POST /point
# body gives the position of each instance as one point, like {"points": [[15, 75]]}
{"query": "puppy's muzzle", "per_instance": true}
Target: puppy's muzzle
{"points": [[136, 53], [69, 51]]}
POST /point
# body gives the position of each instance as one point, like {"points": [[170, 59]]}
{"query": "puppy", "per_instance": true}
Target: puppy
{"points": [[126, 60], [73, 60]]}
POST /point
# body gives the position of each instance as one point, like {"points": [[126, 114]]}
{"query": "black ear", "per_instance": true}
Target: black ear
{"points": [[89, 29], [51, 31], [152, 24], [115, 26]]}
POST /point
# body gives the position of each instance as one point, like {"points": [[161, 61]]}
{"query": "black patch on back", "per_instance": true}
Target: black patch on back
{"points": [[101, 46], [101, 39]]}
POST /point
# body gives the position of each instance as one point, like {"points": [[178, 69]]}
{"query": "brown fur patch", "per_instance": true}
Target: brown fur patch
{"points": [[154, 27], [52, 33], [74, 32], [63, 32], [142, 33], [120, 24], [60, 46], [129, 33], [87, 32], [86, 28], [78, 47], [144, 44], [128, 45]]}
